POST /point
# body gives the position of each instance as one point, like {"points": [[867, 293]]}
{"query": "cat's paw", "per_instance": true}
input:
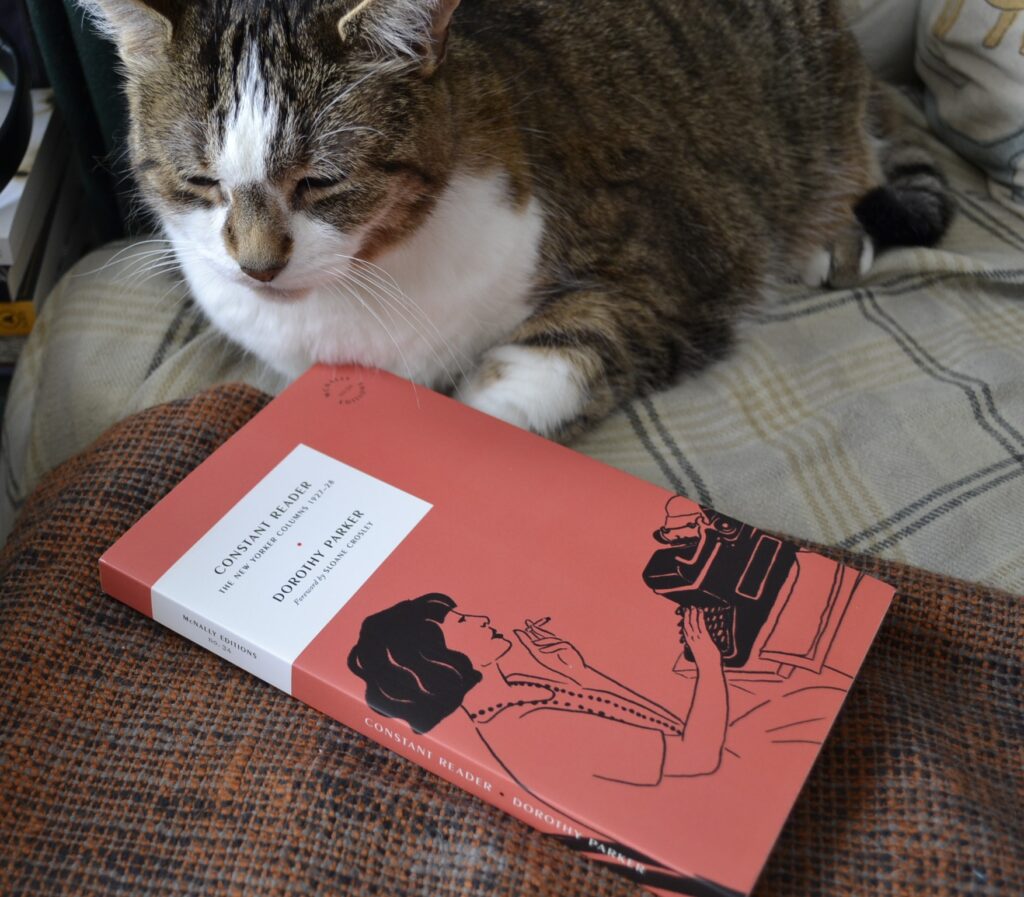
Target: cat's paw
{"points": [[841, 264], [535, 389]]}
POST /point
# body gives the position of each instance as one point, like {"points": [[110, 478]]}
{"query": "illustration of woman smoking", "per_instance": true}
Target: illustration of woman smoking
{"points": [[423, 659]]}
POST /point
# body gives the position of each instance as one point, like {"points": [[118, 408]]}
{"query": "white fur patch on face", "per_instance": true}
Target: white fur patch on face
{"points": [[536, 389], [424, 310], [248, 135]]}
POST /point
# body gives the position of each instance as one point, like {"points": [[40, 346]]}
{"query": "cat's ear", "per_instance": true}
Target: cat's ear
{"points": [[142, 29], [416, 30]]}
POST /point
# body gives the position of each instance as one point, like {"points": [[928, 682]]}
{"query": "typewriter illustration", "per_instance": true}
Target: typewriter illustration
{"points": [[732, 571]]}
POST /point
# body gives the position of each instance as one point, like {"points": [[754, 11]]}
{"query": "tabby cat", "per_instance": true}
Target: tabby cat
{"points": [[547, 206]]}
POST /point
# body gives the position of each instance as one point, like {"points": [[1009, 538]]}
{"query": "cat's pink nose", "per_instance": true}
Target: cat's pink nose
{"points": [[263, 275]]}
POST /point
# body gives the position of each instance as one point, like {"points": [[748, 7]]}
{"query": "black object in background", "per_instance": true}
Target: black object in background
{"points": [[14, 21], [16, 127], [83, 70]]}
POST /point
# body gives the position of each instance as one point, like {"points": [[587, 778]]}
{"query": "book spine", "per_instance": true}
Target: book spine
{"points": [[502, 791], [435, 756]]}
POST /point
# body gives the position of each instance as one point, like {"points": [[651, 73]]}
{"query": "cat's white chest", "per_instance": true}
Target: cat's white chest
{"points": [[426, 309]]}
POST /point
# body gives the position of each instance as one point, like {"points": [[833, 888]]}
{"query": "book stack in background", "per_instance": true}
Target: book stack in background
{"points": [[44, 225]]}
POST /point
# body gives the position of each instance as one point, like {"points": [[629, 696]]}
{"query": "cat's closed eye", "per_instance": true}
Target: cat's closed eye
{"points": [[316, 185], [203, 183]]}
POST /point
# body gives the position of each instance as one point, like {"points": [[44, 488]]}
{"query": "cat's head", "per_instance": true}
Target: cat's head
{"points": [[275, 139]]}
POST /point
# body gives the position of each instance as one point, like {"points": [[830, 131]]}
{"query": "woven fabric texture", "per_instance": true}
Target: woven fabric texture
{"points": [[134, 762]]}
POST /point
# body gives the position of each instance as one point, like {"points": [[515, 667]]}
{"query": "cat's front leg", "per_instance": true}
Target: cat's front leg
{"points": [[542, 389], [575, 361], [843, 262]]}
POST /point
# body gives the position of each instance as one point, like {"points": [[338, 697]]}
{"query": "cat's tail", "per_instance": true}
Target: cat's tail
{"points": [[914, 206]]}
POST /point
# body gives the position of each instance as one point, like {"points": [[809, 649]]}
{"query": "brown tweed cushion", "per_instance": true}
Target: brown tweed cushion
{"points": [[134, 762]]}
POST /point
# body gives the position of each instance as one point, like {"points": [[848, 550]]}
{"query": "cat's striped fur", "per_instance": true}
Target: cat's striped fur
{"points": [[595, 187]]}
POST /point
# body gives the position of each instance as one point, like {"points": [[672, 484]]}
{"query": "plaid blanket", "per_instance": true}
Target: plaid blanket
{"points": [[137, 763], [886, 419]]}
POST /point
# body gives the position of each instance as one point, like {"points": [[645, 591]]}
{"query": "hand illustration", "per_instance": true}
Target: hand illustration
{"points": [[705, 651], [549, 650]]}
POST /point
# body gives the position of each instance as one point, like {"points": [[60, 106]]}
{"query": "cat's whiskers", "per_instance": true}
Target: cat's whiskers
{"points": [[142, 267], [388, 303], [346, 277], [145, 270], [139, 258], [386, 282], [117, 256], [140, 270], [340, 285], [370, 273], [143, 277], [178, 301], [149, 270]]}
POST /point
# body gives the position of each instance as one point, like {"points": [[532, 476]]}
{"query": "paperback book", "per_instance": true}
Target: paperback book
{"points": [[646, 679]]}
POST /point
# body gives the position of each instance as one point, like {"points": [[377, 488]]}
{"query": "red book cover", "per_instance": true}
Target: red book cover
{"points": [[644, 678]]}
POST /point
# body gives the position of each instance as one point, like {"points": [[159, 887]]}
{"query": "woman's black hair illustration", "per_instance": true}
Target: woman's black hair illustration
{"points": [[409, 671]]}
